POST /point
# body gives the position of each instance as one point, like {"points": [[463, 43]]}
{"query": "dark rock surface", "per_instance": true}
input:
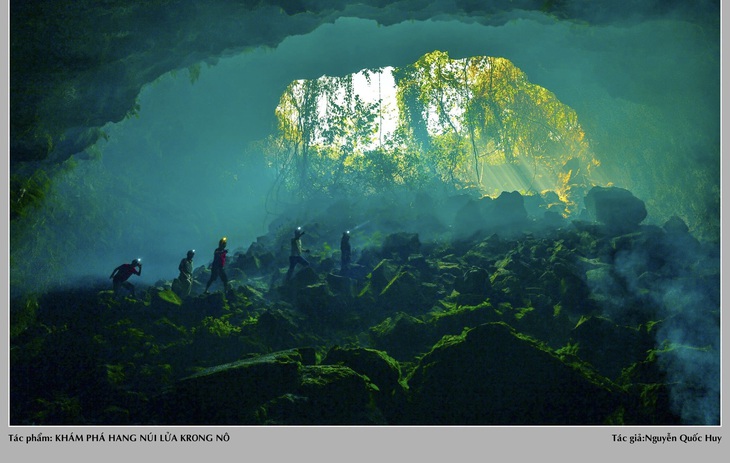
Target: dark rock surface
{"points": [[575, 325], [617, 208], [505, 379]]}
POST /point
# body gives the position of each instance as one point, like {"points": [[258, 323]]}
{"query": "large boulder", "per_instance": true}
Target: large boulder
{"points": [[314, 299], [474, 281], [381, 275], [507, 211], [401, 245], [230, 393], [277, 328], [469, 217], [618, 209], [505, 214], [491, 375], [610, 347], [404, 292], [474, 286], [277, 388], [401, 336], [378, 366], [675, 225], [326, 395]]}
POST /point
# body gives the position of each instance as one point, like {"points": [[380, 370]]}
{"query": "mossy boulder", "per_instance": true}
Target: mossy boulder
{"points": [[278, 329], [606, 287], [610, 347], [378, 279], [382, 274], [213, 303], [326, 395], [314, 299], [382, 369], [230, 394], [404, 292], [401, 245], [491, 375], [304, 277], [402, 336], [165, 300], [341, 285], [474, 286], [463, 316]]}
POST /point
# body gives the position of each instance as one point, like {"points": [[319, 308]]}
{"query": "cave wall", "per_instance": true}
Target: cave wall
{"points": [[642, 75]]}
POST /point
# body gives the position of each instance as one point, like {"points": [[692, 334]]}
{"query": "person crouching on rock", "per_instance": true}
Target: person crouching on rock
{"points": [[217, 268], [121, 274], [296, 253]]}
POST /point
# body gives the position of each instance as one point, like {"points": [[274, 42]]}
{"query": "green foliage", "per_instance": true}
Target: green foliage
{"points": [[567, 351], [482, 111], [169, 296], [649, 394], [455, 309], [166, 322], [451, 339], [522, 311], [24, 316], [456, 119], [220, 327], [557, 309], [27, 193], [162, 372], [115, 374], [78, 211], [249, 320], [194, 72], [581, 320], [668, 347], [658, 156], [59, 410]]}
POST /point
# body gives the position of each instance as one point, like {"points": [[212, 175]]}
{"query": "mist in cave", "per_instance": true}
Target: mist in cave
{"points": [[180, 176]]}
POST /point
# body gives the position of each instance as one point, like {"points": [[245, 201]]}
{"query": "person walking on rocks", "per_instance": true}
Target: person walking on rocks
{"points": [[345, 252], [217, 268], [295, 257]]}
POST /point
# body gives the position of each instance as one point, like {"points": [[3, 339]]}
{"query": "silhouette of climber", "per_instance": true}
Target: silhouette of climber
{"points": [[296, 253], [121, 274], [345, 252], [217, 268]]}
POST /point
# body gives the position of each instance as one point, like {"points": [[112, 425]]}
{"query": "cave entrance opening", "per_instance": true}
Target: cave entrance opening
{"points": [[474, 123]]}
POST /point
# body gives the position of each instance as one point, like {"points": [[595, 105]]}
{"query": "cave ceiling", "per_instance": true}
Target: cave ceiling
{"points": [[78, 65]]}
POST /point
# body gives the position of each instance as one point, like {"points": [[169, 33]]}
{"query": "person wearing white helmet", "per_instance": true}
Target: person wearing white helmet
{"points": [[295, 257], [184, 282]]}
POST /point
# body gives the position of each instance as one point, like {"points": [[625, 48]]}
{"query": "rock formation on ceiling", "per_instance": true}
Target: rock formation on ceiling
{"points": [[77, 65]]}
